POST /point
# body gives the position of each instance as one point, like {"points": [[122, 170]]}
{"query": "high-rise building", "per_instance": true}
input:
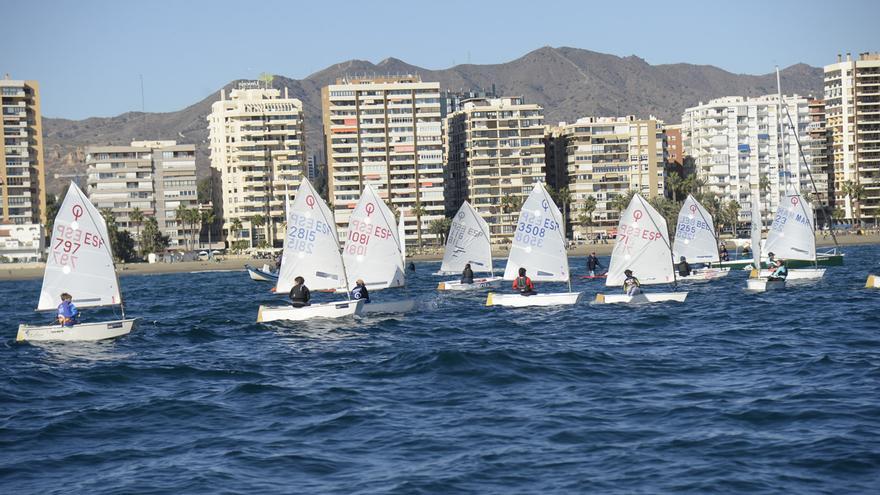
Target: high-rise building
{"points": [[605, 157], [737, 149], [816, 147], [674, 148], [386, 132], [156, 177], [22, 169], [494, 154], [453, 101], [257, 139], [852, 111]]}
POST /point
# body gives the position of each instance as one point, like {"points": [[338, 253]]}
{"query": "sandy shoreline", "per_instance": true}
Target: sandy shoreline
{"points": [[35, 270]]}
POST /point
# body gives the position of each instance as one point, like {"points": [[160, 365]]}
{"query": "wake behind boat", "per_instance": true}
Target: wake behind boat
{"points": [[80, 263]]}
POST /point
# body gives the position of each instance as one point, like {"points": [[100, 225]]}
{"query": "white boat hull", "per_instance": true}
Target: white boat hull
{"points": [[324, 310], [81, 332], [389, 307], [704, 274], [873, 282], [644, 297], [793, 274], [520, 301], [261, 275], [763, 285], [479, 284]]}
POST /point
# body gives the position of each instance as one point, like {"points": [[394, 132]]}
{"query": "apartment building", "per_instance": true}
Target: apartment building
{"points": [[852, 111], [495, 153], [257, 140], [603, 157], [22, 169], [156, 177], [674, 149], [385, 131], [820, 166], [735, 141]]}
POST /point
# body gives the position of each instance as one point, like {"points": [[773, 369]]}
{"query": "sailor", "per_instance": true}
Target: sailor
{"points": [[684, 268], [592, 264], [68, 315], [780, 272], [467, 275], [360, 291], [299, 294], [771, 261], [523, 284], [631, 285], [724, 255], [411, 266]]}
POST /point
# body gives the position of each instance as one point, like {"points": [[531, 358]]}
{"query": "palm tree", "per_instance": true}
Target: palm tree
{"points": [[181, 215], [764, 189], [856, 193], [137, 218], [235, 226], [586, 216], [674, 182], [621, 201], [440, 228], [510, 203], [208, 218], [562, 197], [257, 221], [195, 218], [418, 210]]}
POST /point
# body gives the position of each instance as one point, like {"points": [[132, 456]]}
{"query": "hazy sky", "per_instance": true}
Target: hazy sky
{"points": [[88, 55]]}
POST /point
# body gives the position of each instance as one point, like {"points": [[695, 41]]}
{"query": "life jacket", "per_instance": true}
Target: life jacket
{"points": [[523, 284], [297, 294]]}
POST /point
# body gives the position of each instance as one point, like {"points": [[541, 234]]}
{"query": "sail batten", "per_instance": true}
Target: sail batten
{"points": [[467, 242], [372, 247], [79, 258], [538, 242], [642, 245], [311, 245]]}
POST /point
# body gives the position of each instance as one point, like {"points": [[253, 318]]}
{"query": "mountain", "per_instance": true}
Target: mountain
{"points": [[568, 82]]}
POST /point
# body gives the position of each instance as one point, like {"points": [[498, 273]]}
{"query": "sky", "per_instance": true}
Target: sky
{"points": [[89, 55]]}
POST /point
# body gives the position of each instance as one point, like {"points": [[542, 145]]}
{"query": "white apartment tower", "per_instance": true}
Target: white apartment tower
{"points": [[386, 132], [852, 112], [494, 153], [608, 156], [735, 141], [257, 139]]}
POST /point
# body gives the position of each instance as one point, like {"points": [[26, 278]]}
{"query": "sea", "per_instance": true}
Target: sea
{"points": [[729, 392]]}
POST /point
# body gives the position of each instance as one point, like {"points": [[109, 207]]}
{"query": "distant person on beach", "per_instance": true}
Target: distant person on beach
{"points": [[299, 294], [467, 275], [684, 268], [360, 291], [524, 284], [68, 315], [592, 263], [631, 285], [780, 272]]}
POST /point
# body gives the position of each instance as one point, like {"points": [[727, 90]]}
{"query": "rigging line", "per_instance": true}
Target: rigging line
{"points": [[646, 205], [810, 175]]}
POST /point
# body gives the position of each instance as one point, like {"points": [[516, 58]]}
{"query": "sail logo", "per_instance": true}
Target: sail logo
{"points": [[77, 211], [370, 209], [310, 201], [637, 215]]}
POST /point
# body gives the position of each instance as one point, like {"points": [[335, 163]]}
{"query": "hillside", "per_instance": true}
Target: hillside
{"points": [[568, 82]]}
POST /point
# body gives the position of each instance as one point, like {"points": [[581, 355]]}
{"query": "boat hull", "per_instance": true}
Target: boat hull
{"points": [[704, 274], [324, 310], [259, 275], [101, 330], [519, 301], [763, 285], [873, 282], [389, 307], [794, 274], [644, 297], [479, 284]]}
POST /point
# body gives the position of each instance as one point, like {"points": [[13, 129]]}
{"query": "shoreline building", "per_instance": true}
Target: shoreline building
{"points": [[603, 157], [816, 147], [385, 131], [495, 153], [735, 141], [852, 108], [154, 176], [257, 140], [22, 168]]}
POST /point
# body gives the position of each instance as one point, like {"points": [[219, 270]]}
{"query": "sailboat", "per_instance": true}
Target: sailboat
{"points": [[642, 245], [373, 252], [261, 274], [759, 284], [80, 263], [311, 250], [539, 247], [468, 243], [792, 237], [695, 241]]}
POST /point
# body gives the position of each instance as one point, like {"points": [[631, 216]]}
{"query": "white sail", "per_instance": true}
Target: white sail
{"points": [[467, 242], [538, 242], [757, 225], [695, 234], [372, 248], [79, 258], [401, 234], [791, 235], [642, 245], [311, 247]]}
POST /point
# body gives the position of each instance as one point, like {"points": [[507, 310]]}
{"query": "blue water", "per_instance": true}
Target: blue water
{"points": [[730, 392]]}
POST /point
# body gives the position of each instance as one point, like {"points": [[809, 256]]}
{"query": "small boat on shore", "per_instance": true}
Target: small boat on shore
{"points": [[261, 275]]}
